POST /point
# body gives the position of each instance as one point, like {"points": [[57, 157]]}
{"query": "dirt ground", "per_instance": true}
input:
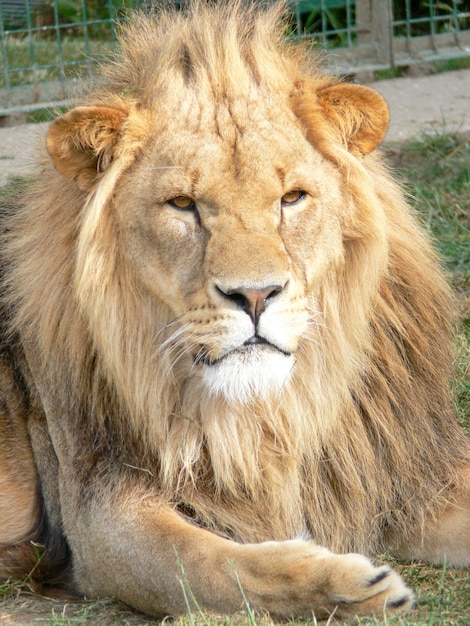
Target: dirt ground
{"points": [[434, 103]]}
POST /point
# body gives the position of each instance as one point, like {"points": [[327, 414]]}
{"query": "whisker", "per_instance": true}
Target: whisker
{"points": [[177, 320], [173, 338], [314, 321]]}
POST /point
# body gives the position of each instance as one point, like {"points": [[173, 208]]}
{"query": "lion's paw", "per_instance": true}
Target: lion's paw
{"points": [[303, 577], [356, 583]]}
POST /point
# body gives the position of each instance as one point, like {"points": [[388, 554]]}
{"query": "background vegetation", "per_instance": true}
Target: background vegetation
{"points": [[53, 44]]}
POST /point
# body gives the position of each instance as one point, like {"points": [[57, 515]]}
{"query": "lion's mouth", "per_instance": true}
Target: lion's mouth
{"points": [[252, 345], [253, 369]]}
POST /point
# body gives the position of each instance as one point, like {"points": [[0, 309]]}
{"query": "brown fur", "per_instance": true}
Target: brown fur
{"points": [[17, 471], [123, 325]]}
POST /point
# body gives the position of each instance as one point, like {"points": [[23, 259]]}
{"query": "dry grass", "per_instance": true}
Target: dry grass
{"points": [[443, 597]]}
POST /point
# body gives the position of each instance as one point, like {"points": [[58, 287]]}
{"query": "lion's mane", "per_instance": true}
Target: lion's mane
{"points": [[370, 390]]}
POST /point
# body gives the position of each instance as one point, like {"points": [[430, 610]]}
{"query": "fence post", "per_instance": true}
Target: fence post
{"points": [[374, 19]]}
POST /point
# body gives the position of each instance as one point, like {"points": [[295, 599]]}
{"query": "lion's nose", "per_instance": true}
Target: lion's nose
{"points": [[253, 301]]}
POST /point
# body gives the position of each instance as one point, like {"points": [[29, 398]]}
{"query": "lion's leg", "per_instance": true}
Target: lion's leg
{"points": [[18, 477], [145, 554], [445, 534], [17, 489], [18, 480]]}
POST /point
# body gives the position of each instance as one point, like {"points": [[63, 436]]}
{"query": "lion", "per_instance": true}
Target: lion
{"points": [[226, 340]]}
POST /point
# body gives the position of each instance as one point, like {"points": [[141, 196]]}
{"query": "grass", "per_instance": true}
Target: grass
{"points": [[433, 67], [436, 173], [443, 597], [44, 115], [40, 59]]}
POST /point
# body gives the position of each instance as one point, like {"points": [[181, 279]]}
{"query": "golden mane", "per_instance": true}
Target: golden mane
{"points": [[374, 364]]}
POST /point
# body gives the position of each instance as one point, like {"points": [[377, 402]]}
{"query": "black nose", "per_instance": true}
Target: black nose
{"points": [[253, 301]]}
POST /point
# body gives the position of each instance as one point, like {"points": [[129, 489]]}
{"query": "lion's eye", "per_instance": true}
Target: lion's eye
{"points": [[291, 197], [183, 203]]}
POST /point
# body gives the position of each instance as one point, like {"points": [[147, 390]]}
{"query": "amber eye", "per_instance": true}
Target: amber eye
{"points": [[183, 203], [291, 197]]}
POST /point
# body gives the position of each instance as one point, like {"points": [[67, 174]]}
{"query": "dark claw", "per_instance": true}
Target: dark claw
{"points": [[396, 604], [380, 576]]}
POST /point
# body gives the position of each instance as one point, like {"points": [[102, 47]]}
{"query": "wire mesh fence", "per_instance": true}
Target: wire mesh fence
{"points": [[48, 46]]}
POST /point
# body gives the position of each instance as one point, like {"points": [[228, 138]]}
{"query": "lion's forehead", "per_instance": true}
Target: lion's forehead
{"points": [[247, 145], [198, 109]]}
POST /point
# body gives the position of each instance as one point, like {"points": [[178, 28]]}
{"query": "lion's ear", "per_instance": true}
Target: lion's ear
{"points": [[82, 142], [359, 114]]}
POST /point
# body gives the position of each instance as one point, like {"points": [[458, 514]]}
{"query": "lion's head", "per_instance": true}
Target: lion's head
{"points": [[237, 281], [224, 210]]}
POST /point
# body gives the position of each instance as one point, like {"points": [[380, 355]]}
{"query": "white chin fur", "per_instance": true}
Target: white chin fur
{"points": [[242, 376]]}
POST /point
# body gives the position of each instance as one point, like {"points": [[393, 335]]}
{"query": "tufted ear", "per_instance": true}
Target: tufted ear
{"points": [[82, 142], [358, 114]]}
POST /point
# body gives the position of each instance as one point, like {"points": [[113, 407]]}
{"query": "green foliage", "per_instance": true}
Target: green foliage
{"points": [[333, 18], [424, 16], [432, 16]]}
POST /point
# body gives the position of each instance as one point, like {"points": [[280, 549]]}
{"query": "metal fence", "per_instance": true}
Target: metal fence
{"points": [[48, 46]]}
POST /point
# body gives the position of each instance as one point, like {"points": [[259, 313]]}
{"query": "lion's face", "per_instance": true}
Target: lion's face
{"points": [[230, 221], [225, 212]]}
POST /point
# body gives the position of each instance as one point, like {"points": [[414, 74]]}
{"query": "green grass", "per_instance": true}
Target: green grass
{"points": [[39, 60], [443, 597], [434, 67], [436, 173], [44, 115]]}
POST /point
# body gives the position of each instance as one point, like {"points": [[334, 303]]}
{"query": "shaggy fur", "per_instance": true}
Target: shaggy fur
{"points": [[146, 396]]}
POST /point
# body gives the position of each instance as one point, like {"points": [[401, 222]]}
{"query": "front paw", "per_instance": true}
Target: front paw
{"points": [[358, 587], [292, 579]]}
